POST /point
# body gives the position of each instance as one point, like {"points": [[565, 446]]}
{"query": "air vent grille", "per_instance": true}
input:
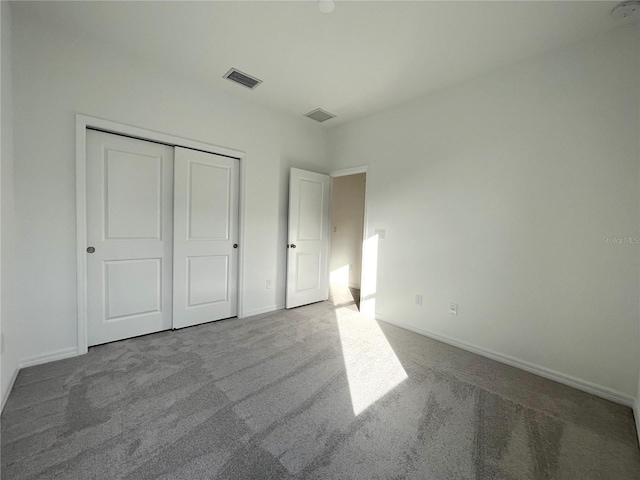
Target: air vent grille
{"points": [[242, 78], [319, 115]]}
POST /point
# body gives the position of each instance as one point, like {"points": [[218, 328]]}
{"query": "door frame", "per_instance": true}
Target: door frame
{"points": [[343, 173], [83, 122]]}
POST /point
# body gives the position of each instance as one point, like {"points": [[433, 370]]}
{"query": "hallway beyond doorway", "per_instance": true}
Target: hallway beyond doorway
{"points": [[343, 296]]}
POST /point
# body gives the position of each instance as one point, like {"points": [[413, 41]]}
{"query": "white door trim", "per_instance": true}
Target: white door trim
{"points": [[349, 171], [354, 171], [82, 123]]}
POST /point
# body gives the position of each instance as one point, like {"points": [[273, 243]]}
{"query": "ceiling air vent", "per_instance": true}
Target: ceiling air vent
{"points": [[319, 115], [242, 78]]}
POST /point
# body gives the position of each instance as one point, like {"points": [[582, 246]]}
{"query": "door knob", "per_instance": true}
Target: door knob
{"points": [[293, 245], [235, 245], [90, 249]]}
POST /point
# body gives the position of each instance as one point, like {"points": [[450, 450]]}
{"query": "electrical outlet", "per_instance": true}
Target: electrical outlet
{"points": [[419, 300], [269, 284], [453, 309], [380, 232]]}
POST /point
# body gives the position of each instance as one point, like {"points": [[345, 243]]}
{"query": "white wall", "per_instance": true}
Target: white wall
{"points": [[496, 194], [9, 326], [56, 77], [347, 221]]}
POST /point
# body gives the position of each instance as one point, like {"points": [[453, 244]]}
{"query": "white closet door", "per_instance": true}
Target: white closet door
{"points": [[205, 237], [308, 247], [129, 237]]}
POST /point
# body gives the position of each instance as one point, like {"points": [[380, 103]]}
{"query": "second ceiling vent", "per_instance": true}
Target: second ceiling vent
{"points": [[242, 78], [319, 115]]}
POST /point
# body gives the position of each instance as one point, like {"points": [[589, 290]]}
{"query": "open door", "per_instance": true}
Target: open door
{"points": [[308, 241], [205, 243]]}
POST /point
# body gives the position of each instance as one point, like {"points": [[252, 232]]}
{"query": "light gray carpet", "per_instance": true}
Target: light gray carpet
{"points": [[316, 392]]}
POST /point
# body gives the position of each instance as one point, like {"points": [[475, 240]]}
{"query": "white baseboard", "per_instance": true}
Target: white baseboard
{"points": [[260, 311], [584, 385], [5, 396], [49, 357]]}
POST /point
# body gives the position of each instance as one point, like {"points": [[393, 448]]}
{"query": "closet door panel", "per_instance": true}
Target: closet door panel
{"points": [[129, 237], [205, 237]]}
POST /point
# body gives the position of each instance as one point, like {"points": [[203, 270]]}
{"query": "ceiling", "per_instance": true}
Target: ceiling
{"points": [[363, 57]]}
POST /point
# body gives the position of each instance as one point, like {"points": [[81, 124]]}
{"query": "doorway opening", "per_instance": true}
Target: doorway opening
{"points": [[347, 234]]}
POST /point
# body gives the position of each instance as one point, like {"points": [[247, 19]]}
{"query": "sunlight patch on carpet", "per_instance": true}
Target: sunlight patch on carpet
{"points": [[373, 369]]}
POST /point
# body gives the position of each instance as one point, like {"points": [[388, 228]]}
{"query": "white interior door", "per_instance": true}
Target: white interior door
{"points": [[308, 244], [129, 237], [205, 285]]}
